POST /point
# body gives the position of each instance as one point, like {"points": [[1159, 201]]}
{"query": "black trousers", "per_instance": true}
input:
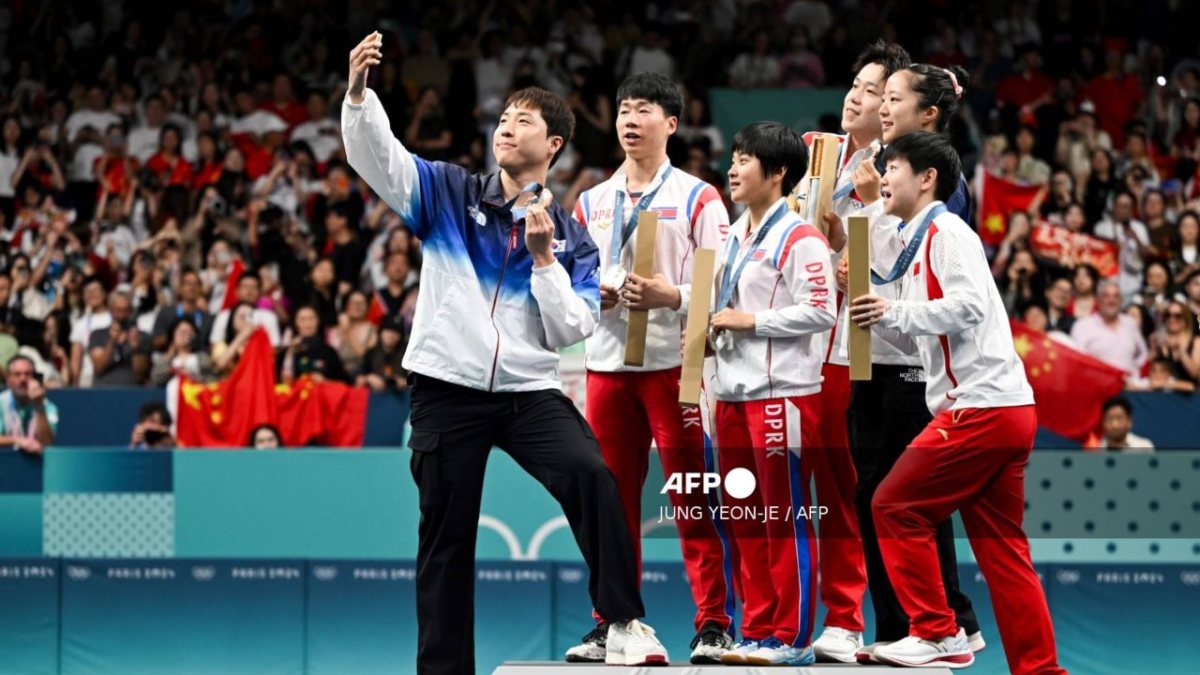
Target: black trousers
{"points": [[886, 413], [454, 430]]}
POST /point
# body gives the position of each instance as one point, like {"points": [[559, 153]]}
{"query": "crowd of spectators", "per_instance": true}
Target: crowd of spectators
{"points": [[172, 175]]}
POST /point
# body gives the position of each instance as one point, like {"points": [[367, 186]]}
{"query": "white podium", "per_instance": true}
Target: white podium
{"points": [[551, 668]]}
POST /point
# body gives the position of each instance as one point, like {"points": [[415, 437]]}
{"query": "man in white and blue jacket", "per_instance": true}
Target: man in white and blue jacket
{"points": [[503, 286]]}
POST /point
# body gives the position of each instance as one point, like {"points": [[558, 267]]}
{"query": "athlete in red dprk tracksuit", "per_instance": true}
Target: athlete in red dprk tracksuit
{"points": [[971, 458], [628, 407], [775, 298]]}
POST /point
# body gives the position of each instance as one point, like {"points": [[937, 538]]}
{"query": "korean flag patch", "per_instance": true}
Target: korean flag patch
{"points": [[558, 245]]}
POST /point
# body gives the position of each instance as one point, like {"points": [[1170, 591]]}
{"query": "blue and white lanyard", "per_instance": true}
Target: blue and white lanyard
{"points": [[732, 275], [622, 228], [910, 251]]}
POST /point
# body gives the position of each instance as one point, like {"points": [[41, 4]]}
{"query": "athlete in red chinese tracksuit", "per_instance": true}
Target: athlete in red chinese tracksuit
{"points": [[971, 458]]}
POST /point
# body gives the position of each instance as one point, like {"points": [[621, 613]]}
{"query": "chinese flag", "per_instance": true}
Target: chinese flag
{"points": [[1069, 386], [222, 414], [998, 199], [329, 414]]}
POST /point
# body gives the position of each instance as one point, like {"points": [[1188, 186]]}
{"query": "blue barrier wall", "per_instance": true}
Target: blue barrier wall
{"points": [[300, 562], [285, 617], [105, 417]]}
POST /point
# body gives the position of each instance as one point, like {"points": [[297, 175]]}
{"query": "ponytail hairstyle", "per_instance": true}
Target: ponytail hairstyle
{"points": [[941, 87]]}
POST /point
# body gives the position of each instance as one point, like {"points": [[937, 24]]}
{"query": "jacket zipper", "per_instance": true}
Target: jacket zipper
{"points": [[512, 243]]}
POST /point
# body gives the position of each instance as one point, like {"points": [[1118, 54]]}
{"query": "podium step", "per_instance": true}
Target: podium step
{"points": [[552, 668]]}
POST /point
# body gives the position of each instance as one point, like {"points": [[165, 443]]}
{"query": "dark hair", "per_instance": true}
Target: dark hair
{"points": [[1153, 191], [151, 407], [1091, 271], [890, 55], [20, 138], [171, 127], [654, 88], [260, 427], [1195, 274], [1169, 290], [1033, 304], [312, 308], [341, 210], [1118, 402], [777, 148], [1125, 193], [926, 150], [560, 121], [1132, 129], [935, 88], [1162, 361], [181, 320]]}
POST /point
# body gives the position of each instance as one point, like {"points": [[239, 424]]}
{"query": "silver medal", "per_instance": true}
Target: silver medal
{"points": [[614, 277]]}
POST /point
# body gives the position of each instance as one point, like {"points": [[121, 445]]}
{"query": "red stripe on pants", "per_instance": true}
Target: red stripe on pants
{"points": [[843, 569], [774, 566], [973, 461], [626, 412]]}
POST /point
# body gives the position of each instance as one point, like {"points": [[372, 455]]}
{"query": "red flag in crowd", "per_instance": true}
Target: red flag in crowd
{"points": [[998, 199], [222, 414], [1068, 385], [329, 414], [236, 270], [1069, 248]]}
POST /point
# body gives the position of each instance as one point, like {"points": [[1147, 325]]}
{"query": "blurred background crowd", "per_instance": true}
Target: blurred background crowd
{"points": [[172, 174]]}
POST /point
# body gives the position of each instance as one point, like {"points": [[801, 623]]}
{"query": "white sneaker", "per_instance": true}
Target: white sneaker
{"points": [[773, 652], [709, 644], [592, 648], [866, 655], [737, 653], [975, 640], [837, 645], [913, 652], [633, 644]]}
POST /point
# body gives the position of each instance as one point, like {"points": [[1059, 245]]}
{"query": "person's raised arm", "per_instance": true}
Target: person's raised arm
{"points": [[371, 149]]}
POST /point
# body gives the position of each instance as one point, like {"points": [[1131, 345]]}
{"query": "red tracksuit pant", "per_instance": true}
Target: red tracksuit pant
{"points": [[777, 554], [843, 569], [972, 461], [626, 412]]}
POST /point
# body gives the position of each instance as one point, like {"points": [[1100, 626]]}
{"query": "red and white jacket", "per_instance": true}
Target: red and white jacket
{"points": [[950, 305], [691, 215], [834, 343], [788, 285]]}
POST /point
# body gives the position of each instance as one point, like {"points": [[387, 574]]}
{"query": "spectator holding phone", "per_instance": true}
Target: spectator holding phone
{"points": [[153, 430], [28, 421]]}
